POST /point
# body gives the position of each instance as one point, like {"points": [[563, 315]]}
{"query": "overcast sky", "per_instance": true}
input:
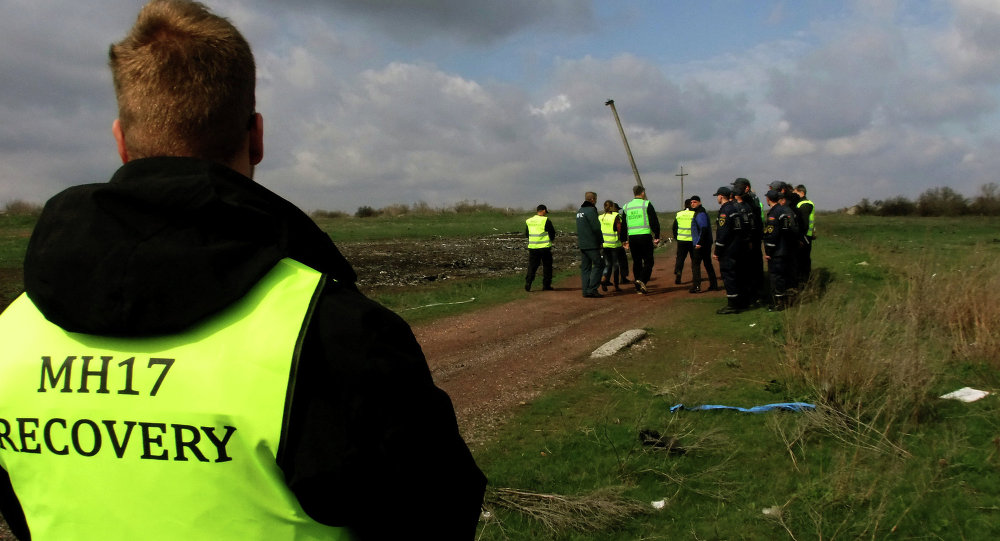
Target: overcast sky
{"points": [[376, 102]]}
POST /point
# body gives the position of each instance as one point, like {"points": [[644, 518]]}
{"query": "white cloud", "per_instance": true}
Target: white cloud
{"points": [[793, 146], [555, 105]]}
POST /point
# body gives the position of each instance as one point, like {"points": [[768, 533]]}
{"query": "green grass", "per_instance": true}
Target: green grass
{"points": [[892, 462], [14, 234]]}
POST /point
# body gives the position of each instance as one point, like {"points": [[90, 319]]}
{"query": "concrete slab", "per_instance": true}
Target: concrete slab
{"points": [[615, 345]]}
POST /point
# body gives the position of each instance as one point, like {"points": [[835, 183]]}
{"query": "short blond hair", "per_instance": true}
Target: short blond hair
{"points": [[185, 81]]}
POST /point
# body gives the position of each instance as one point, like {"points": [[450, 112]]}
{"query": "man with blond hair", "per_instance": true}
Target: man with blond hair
{"points": [[192, 358]]}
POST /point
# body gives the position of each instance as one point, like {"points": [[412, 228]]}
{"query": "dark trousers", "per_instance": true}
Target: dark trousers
{"points": [[641, 247], [702, 256], [685, 249], [611, 266], [543, 257], [804, 264], [728, 267], [590, 270], [622, 261], [778, 271], [752, 273]]}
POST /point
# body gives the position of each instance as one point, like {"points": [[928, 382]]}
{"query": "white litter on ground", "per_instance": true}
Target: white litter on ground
{"points": [[659, 504], [613, 346], [965, 394]]}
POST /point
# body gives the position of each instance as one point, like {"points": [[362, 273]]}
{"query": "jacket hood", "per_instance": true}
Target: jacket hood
{"points": [[165, 243]]}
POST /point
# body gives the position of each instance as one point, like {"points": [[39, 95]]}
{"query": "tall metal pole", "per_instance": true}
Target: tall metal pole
{"points": [[611, 103], [682, 175]]}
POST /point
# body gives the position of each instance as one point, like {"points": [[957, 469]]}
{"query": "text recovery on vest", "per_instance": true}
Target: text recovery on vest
{"points": [[86, 437]]}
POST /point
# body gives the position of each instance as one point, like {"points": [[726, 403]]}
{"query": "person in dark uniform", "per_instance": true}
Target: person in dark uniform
{"points": [[791, 200], [752, 265], [295, 406], [781, 235], [732, 241], [540, 233], [701, 238], [590, 240]]}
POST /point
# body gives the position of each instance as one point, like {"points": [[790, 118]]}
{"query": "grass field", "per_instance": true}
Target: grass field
{"points": [[902, 310]]}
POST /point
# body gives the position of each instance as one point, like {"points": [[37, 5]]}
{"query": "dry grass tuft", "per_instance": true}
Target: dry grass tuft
{"points": [[595, 511]]}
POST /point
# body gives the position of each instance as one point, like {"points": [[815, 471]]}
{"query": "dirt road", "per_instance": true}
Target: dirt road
{"points": [[491, 360]]}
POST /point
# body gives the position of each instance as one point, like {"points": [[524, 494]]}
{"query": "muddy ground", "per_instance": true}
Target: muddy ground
{"points": [[415, 262]]}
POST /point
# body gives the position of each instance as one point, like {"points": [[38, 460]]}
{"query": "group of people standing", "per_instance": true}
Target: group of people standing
{"points": [[747, 234], [604, 240], [785, 233]]}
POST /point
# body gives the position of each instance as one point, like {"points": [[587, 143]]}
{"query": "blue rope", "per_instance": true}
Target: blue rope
{"points": [[786, 406]]}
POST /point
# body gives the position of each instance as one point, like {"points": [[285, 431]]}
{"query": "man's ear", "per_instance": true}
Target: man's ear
{"points": [[116, 130], [256, 139]]}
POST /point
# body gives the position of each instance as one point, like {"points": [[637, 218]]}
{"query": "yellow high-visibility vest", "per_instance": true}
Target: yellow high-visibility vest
{"points": [[168, 437], [538, 237], [684, 219], [608, 230], [636, 217]]}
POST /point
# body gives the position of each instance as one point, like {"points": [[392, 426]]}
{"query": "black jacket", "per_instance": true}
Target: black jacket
{"points": [[732, 233], [169, 241], [781, 232]]}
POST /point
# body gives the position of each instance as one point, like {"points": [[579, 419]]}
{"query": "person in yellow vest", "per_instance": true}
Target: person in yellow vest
{"points": [[682, 234], [540, 233], [641, 235], [806, 211], [192, 358], [622, 259], [611, 224]]}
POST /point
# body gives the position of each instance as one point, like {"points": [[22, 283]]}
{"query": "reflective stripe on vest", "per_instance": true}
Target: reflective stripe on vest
{"points": [[169, 437], [812, 217], [636, 217], [684, 219], [538, 237], [608, 230]]}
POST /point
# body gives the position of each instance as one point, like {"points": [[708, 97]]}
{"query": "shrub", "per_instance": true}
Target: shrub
{"points": [[397, 209], [987, 203], [467, 207], [328, 214], [941, 201], [366, 212], [897, 206], [19, 207]]}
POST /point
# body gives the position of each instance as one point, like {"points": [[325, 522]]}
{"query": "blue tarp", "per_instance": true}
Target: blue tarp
{"points": [[786, 406]]}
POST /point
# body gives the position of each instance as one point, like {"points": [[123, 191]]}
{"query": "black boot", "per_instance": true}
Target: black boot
{"points": [[731, 307]]}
